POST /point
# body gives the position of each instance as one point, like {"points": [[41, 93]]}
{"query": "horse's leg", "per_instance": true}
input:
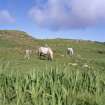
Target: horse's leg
{"points": [[71, 52], [40, 55], [48, 56]]}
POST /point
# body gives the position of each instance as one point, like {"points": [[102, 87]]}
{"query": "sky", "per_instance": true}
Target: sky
{"points": [[70, 19]]}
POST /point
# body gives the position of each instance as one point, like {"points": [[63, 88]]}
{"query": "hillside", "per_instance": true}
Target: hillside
{"points": [[11, 38]]}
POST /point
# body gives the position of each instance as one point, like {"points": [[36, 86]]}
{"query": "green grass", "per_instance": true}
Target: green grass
{"points": [[52, 85], [63, 81]]}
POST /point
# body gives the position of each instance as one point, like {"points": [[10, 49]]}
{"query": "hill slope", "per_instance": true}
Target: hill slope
{"points": [[10, 38]]}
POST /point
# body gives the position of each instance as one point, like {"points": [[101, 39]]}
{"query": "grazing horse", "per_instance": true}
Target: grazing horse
{"points": [[27, 53], [70, 51], [45, 51]]}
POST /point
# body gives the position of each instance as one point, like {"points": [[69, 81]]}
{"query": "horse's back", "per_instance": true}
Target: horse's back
{"points": [[43, 50], [69, 48]]}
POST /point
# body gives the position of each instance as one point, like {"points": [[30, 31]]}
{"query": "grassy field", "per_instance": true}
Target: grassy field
{"points": [[76, 80]]}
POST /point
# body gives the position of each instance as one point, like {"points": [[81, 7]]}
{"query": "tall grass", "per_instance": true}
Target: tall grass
{"points": [[57, 85]]}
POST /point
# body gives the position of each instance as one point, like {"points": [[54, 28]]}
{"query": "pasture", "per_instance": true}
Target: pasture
{"points": [[64, 81]]}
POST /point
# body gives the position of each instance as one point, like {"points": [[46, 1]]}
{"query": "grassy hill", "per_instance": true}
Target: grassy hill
{"points": [[67, 80], [10, 38]]}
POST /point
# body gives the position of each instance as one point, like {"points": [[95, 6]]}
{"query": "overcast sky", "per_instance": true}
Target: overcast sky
{"points": [[75, 19]]}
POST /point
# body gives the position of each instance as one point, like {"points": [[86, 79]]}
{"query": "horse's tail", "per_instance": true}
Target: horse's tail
{"points": [[50, 54]]}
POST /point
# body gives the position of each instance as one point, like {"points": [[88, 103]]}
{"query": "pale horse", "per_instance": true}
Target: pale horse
{"points": [[70, 51], [46, 52], [28, 53]]}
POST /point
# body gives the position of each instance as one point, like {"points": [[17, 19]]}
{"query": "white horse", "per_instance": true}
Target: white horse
{"points": [[46, 51], [70, 51], [27, 53]]}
